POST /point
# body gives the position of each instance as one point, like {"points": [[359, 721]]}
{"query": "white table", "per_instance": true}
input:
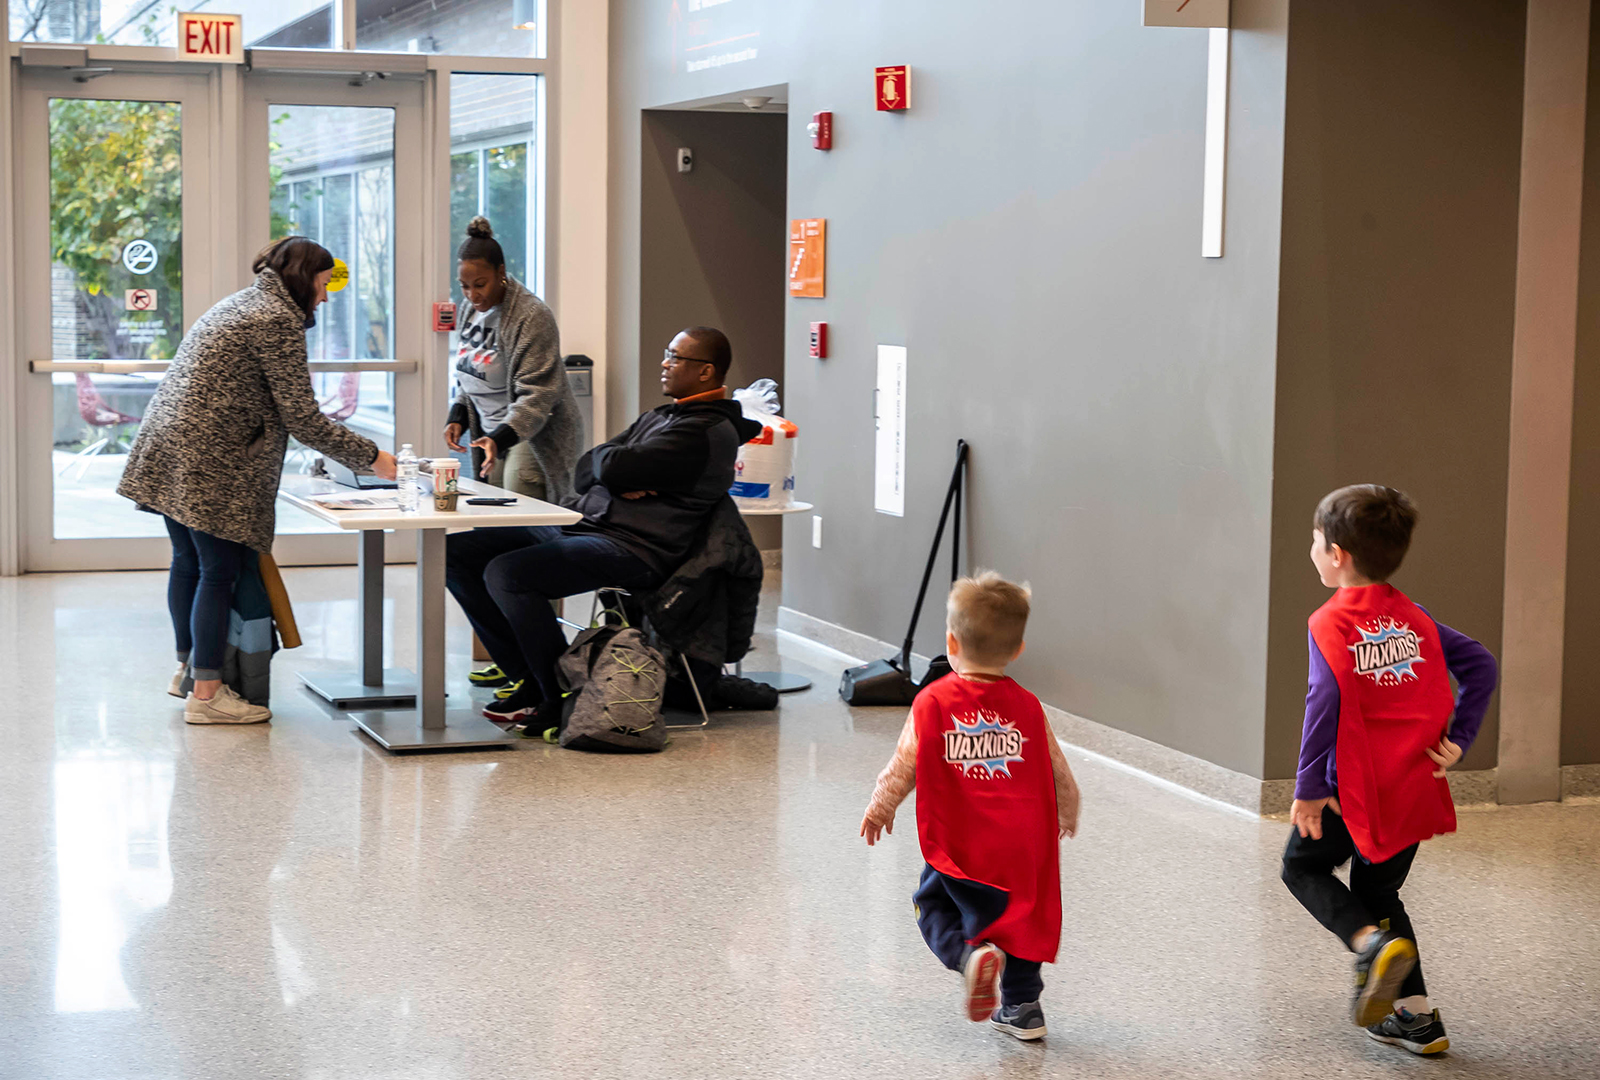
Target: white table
{"points": [[408, 712], [782, 681]]}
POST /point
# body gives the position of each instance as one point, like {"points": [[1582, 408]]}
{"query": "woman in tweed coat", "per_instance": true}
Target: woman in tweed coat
{"points": [[209, 454]]}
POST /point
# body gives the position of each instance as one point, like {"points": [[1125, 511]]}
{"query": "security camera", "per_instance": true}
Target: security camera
{"points": [[685, 159]]}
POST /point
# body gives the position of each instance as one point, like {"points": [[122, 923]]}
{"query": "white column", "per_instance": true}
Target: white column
{"points": [[1543, 352], [576, 196]]}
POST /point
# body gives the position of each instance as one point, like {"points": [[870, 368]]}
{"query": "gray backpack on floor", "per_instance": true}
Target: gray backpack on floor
{"points": [[614, 681]]}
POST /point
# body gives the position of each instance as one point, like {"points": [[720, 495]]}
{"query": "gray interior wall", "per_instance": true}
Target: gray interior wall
{"points": [[1580, 706], [1030, 230], [712, 244], [1401, 166]]}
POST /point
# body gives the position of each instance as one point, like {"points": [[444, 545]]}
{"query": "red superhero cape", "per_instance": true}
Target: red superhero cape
{"points": [[1395, 702], [986, 804]]}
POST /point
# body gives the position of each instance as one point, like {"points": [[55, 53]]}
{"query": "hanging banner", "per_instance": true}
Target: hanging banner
{"points": [[1186, 13]]}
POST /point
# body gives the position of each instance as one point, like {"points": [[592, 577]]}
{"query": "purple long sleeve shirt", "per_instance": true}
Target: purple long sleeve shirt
{"points": [[1470, 664]]}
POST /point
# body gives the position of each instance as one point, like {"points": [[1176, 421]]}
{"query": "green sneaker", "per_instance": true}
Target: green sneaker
{"points": [[487, 677], [507, 690]]}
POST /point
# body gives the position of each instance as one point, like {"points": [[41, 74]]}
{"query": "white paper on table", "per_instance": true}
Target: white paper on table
{"points": [[338, 500], [889, 477]]}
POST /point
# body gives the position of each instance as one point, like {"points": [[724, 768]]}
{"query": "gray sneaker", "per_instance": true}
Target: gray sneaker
{"points": [[1025, 1022], [226, 707]]}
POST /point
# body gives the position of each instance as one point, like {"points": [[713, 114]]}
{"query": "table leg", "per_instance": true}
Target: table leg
{"points": [[430, 627], [428, 726], [374, 686], [369, 566]]}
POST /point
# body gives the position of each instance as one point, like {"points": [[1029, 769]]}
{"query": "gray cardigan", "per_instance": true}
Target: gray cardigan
{"points": [[541, 406], [210, 448]]}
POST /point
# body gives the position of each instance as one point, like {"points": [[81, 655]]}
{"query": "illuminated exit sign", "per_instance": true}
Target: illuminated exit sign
{"points": [[214, 39]]}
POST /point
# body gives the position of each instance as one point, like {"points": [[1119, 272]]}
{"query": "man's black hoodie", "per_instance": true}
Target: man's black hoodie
{"points": [[684, 453]]}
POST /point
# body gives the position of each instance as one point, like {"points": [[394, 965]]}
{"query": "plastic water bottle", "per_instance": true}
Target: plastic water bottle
{"points": [[406, 476]]}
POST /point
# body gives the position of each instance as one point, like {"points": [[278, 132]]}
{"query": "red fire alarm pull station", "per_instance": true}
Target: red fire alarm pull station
{"points": [[444, 317], [821, 129], [819, 341]]}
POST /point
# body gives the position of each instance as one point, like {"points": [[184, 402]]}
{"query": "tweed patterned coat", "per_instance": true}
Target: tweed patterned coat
{"points": [[210, 449]]}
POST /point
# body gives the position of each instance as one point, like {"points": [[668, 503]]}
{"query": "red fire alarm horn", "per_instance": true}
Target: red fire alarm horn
{"points": [[819, 340], [444, 317], [821, 129]]}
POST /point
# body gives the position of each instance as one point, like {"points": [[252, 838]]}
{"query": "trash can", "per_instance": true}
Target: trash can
{"points": [[580, 376]]}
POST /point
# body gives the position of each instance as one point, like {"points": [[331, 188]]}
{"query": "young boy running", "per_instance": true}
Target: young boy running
{"points": [[996, 796], [1381, 728]]}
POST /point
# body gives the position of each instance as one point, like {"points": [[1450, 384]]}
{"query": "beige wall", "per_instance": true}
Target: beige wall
{"points": [[1395, 322]]}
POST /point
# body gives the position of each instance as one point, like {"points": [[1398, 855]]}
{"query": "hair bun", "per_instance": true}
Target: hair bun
{"points": [[479, 227]]}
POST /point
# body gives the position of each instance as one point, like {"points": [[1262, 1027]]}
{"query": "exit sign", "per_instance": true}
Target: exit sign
{"points": [[1186, 13], [215, 39]]}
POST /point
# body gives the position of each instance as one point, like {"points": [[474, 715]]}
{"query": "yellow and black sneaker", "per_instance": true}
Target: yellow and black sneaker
{"points": [[507, 690], [1380, 969], [1419, 1034], [488, 677]]}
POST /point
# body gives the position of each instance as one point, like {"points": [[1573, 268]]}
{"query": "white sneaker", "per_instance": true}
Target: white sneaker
{"points": [[226, 707], [176, 688]]}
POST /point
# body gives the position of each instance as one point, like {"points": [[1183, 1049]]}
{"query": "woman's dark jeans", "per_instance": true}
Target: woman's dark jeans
{"points": [[205, 569]]}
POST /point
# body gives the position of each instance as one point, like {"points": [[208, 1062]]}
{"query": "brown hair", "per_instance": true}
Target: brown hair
{"points": [[987, 614], [297, 260], [481, 245], [1372, 522]]}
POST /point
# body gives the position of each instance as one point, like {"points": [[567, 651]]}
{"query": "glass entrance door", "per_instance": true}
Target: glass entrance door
{"points": [[339, 159], [115, 265]]}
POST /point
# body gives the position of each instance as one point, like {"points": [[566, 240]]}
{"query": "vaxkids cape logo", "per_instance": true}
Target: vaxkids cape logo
{"points": [[983, 746], [1388, 652]]}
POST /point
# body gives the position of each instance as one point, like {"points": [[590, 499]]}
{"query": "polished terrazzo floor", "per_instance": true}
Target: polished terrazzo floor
{"points": [[289, 901]]}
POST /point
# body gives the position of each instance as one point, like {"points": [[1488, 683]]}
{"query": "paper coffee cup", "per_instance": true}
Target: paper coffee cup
{"points": [[446, 475], [445, 501]]}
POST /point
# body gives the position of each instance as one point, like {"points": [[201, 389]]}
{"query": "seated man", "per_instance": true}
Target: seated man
{"points": [[645, 497]]}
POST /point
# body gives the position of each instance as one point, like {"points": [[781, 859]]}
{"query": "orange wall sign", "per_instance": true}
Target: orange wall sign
{"points": [[808, 256], [894, 88]]}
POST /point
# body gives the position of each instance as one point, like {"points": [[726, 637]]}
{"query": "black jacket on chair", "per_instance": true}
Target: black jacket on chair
{"points": [[707, 607]]}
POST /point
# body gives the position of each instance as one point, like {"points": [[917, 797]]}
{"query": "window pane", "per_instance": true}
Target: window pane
{"points": [[332, 173], [493, 148], [116, 277], [303, 24], [453, 27], [116, 225]]}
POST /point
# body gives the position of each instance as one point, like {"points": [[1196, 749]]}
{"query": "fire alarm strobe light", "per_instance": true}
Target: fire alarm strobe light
{"points": [[894, 88], [819, 340], [821, 130]]}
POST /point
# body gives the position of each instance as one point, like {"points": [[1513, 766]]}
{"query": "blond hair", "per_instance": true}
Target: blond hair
{"points": [[987, 614]]}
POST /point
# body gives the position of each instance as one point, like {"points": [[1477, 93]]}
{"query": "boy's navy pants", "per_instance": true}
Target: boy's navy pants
{"points": [[951, 912]]}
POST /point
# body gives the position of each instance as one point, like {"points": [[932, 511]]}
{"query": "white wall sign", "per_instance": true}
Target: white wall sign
{"points": [[209, 37], [139, 257], [889, 486], [1186, 12]]}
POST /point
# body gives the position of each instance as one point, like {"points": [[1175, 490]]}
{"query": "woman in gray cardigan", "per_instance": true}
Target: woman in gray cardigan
{"points": [[210, 449], [511, 386]]}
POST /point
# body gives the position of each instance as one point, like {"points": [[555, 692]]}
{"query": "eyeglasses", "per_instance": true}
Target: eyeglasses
{"points": [[670, 357]]}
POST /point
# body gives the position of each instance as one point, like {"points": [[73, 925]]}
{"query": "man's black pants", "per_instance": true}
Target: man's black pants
{"points": [[504, 579], [951, 912], [1372, 896]]}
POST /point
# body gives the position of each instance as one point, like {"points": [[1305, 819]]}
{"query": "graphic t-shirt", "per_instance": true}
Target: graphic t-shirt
{"points": [[481, 370]]}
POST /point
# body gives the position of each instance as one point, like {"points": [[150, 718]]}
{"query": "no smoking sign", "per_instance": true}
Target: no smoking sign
{"points": [[140, 300]]}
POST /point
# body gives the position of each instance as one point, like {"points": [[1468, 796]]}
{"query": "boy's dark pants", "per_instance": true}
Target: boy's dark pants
{"points": [[1373, 895], [951, 911]]}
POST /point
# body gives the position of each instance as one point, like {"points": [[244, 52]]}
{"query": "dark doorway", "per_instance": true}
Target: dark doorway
{"points": [[713, 242]]}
